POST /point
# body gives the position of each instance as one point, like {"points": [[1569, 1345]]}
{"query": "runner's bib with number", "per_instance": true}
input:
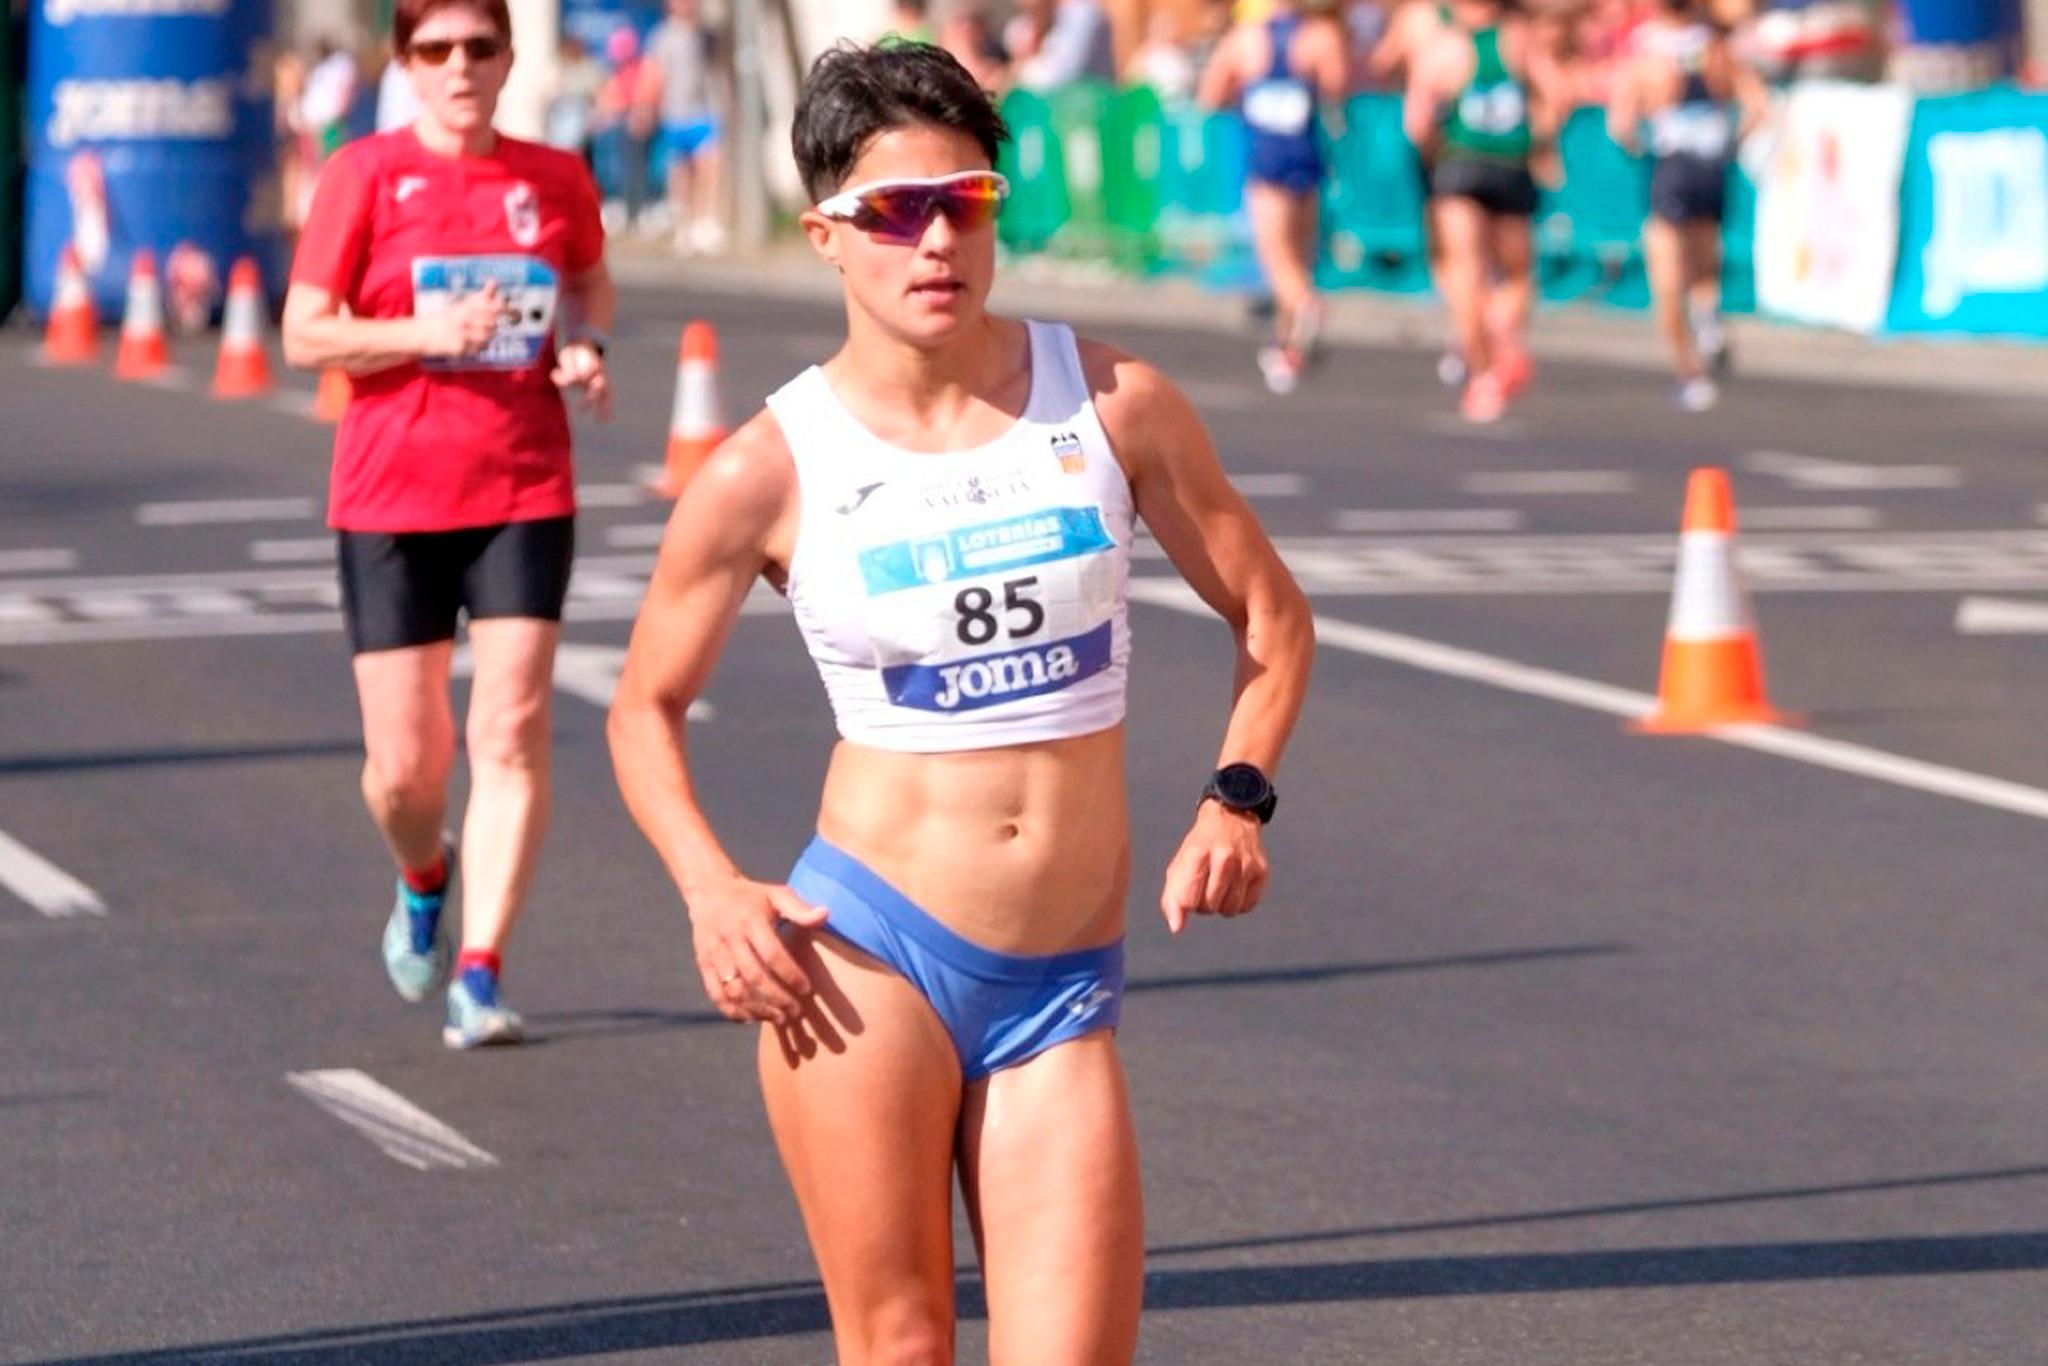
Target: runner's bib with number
{"points": [[528, 288], [969, 599], [1280, 107]]}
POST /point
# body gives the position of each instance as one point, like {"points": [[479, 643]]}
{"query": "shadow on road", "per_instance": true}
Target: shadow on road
{"points": [[792, 1308], [1326, 972], [20, 764]]}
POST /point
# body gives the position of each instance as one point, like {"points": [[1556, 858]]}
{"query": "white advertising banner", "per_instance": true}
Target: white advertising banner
{"points": [[1827, 215]]}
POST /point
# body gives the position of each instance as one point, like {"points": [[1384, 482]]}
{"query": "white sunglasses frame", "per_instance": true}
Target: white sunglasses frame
{"points": [[842, 207]]}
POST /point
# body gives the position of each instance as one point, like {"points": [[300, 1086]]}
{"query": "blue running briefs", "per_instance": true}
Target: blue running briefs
{"points": [[1000, 1009]]}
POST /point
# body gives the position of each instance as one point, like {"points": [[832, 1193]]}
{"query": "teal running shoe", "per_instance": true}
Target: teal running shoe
{"points": [[476, 1017], [417, 954]]}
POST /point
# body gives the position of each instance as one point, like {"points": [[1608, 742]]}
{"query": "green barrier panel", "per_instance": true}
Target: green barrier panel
{"points": [[1589, 228], [1079, 113], [1201, 188], [1035, 163], [1133, 167], [1373, 202]]}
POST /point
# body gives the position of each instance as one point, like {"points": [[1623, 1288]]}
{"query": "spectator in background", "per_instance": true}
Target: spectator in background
{"points": [[572, 103], [1025, 34], [972, 40], [683, 85], [626, 123], [1077, 46], [329, 96], [1165, 62], [910, 21], [398, 104]]}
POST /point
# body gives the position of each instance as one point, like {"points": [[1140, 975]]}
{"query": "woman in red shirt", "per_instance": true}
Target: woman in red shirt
{"points": [[436, 267]]}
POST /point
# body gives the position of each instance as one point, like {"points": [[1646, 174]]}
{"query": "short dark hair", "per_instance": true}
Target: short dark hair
{"points": [[854, 94], [408, 15]]}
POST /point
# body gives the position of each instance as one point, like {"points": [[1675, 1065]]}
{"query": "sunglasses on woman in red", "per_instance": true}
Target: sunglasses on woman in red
{"points": [[435, 51], [902, 209]]}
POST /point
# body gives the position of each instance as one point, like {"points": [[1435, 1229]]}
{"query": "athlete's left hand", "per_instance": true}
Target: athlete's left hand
{"points": [[579, 366], [1221, 868]]}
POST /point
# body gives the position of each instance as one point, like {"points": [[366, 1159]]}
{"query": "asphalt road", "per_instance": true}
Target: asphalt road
{"points": [[1555, 1044]]}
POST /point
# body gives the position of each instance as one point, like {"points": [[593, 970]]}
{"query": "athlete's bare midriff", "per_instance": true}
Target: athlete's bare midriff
{"points": [[1023, 849]]}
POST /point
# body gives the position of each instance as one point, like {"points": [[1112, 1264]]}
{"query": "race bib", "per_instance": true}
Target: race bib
{"points": [[1497, 109], [1282, 108], [1698, 130], [528, 287], [970, 617]]}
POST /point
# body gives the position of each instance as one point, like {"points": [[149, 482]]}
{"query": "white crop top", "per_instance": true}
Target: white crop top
{"points": [[965, 599]]}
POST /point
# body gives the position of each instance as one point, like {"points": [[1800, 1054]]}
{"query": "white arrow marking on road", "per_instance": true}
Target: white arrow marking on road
{"points": [[225, 510], [42, 884], [1834, 518], [405, 1132], [635, 535], [1811, 472], [590, 672], [612, 496], [1497, 483], [309, 550], [2001, 617], [1510, 676]]}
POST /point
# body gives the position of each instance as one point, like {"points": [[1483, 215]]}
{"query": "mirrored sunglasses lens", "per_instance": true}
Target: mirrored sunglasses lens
{"points": [[906, 210], [433, 52], [482, 49]]}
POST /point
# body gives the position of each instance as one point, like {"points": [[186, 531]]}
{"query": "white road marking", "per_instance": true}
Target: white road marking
{"points": [[1508, 483], [1812, 472], [405, 1132], [1838, 518], [1270, 485], [37, 561], [42, 884], [226, 510], [1510, 676], [312, 549], [269, 602], [2001, 617], [1427, 519], [590, 672], [639, 536], [612, 496], [296, 402]]}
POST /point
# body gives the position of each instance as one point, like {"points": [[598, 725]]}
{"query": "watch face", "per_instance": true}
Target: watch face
{"points": [[1241, 785]]}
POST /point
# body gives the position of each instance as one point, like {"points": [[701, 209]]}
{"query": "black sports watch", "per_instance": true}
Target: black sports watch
{"points": [[1241, 787]]}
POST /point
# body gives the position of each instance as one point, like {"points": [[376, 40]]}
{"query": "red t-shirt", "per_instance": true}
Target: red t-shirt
{"points": [[428, 447]]}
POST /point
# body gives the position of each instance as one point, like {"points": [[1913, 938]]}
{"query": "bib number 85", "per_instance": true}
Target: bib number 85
{"points": [[978, 623]]}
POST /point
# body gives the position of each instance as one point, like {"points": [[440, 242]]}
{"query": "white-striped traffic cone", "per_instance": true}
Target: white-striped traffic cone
{"points": [[695, 426]]}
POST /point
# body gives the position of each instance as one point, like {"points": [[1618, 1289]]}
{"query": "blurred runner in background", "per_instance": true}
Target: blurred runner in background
{"points": [[1678, 89], [1277, 70], [683, 85], [433, 269], [1480, 99]]}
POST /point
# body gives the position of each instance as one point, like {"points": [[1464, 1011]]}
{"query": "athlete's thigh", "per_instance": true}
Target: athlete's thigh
{"points": [[1270, 210], [864, 1099], [1702, 249], [1511, 243], [1049, 1161], [514, 670], [408, 723], [1460, 226]]}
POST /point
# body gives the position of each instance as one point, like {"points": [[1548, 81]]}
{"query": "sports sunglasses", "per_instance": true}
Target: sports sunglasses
{"points": [[903, 209], [435, 51]]}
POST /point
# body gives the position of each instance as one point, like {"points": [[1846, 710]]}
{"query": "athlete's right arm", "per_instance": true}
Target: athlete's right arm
{"points": [[332, 253], [1624, 104], [1217, 87], [1419, 104], [736, 517]]}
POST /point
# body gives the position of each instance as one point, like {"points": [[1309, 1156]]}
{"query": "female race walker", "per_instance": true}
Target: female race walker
{"points": [[949, 503], [1277, 69], [1678, 89], [433, 269], [1481, 98]]}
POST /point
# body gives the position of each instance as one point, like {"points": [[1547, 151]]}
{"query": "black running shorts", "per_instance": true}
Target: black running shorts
{"points": [[1501, 189], [406, 588], [1689, 189]]}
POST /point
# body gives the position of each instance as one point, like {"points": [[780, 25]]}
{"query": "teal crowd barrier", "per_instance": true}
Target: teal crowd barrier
{"points": [[1147, 186]]}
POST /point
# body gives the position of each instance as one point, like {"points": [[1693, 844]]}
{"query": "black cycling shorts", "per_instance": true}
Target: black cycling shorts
{"points": [[1689, 189], [1501, 189], [406, 588]]}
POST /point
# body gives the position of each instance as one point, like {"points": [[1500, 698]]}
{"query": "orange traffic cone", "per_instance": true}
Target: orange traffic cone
{"points": [[330, 400], [694, 426], [73, 334], [142, 354], [1713, 664], [243, 370]]}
